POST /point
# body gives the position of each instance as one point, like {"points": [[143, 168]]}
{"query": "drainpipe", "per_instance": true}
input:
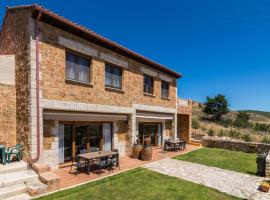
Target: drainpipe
{"points": [[33, 160]]}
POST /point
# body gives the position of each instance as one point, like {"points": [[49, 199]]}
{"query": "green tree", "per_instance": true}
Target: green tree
{"points": [[216, 107], [242, 120]]}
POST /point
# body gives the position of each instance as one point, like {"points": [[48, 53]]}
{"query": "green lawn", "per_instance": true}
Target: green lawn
{"points": [[140, 184], [224, 159]]}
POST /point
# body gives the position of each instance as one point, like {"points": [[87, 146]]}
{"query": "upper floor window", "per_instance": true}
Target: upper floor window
{"points": [[77, 68], [113, 76], [164, 89], [148, 83]]}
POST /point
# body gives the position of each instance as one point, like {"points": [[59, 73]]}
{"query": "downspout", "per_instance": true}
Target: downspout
{"points": [[37, 34]]}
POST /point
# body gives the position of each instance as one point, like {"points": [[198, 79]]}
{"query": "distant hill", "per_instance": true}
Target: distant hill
{"points": [[263, 113], [201, 126]]}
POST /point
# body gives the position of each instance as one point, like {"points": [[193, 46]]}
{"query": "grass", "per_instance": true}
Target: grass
{"points": [[140, 184], [224, 159]]}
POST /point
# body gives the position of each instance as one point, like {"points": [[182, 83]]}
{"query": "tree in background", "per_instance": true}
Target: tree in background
{"points": [[216, 107], [242, 120]]}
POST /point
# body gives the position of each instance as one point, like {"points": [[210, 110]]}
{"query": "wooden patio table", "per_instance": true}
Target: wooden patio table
{"points": [[89, 157], [175, 142]]}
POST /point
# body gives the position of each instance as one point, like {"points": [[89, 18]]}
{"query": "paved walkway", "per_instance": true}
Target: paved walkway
{"points": [[233, 183]]}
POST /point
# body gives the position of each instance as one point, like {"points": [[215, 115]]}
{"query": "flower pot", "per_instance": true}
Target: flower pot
{"points": [[264, 188]]}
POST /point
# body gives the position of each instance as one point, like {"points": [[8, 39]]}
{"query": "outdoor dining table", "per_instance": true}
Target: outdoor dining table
{"points": [[94, 155], [175, 143], [3, 154]]}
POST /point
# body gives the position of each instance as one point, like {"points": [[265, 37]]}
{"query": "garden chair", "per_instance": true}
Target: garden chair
{"points": [[104, 163], [16, 150], [114, 159], [78, 164]]}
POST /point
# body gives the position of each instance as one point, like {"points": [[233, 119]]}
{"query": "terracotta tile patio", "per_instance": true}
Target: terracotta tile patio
{"points": [[126, 163]]}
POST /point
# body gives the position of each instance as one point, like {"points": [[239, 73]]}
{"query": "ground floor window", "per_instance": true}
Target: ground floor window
{"points": [[79, 138], [152, 130]]}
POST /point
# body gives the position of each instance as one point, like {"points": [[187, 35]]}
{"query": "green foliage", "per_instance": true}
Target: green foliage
{"points": [[216, 107], [203, 128], [221, 133], [242, 120], [246, 137], [226, 123], [234, 134], [266, 139], [210, 132], [195, 124], [261, 127]]}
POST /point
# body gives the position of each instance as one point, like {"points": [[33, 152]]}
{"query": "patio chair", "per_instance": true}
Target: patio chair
{"points": [[115, 150], [104, 163], [114, 159], [78, 164], [183, 145], [16, 150]]}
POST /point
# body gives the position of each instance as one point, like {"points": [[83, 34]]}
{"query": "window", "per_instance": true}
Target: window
{"points": [[148, 83], [164, 89], [113, 76], [77, 68]]}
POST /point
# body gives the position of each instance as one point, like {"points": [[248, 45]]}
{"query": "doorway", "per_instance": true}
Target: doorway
{"points": [[152, 130], [78, 138]]}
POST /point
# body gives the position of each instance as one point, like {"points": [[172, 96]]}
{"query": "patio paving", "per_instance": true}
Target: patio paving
{"points": [[126, 163], [233, 183]]}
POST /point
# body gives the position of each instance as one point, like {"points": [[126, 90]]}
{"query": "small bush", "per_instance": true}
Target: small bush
{"points": [[210, 132], [195, 124], [203, 128], [246, 137], [221, 133], [234, 134], [266, 139], [226, 123], [261, 127], [242, 120]]}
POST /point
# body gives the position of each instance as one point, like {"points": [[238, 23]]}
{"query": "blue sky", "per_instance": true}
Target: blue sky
{"points": [[219, 46]]}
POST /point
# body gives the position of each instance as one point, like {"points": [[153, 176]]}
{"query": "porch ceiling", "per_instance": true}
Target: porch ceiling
{"points": [[79, 116]]}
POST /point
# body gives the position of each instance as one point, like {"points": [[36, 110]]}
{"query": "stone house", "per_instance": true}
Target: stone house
{"points": [[64, 89]]}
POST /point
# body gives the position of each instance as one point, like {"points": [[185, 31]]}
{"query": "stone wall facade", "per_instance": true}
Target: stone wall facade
{"points": [[53, 52], [248, 147], [7, 115], [14, 40]]}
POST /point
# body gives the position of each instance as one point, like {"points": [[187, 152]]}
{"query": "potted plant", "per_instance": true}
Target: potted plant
{"points": [[137, 149], [264, 187]]}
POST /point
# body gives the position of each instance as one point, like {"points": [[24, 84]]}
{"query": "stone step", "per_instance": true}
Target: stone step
{"points": [[36, 188], [17, 177], [19, 197], [51, 180], [13, 167], [41, 168], [13, 190]]}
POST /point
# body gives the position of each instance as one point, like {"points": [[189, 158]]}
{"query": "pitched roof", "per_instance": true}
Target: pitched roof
{"points": [[83, 32]]}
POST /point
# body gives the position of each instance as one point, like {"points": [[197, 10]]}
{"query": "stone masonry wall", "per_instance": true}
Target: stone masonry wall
{"points": [[7, 115], [14, 39], [55, 87], [247, 147]]}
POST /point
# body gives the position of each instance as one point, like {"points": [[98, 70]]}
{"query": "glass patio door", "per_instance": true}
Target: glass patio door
{"points": [[152, 130]]}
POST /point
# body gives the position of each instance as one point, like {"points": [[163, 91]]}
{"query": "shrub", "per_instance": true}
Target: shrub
{"points": [[221, 133], [195, 124], [261, 127], [242, 120], [234, 134], [226, 123], [210, 132], [266, 139], [246, 137], [203, 128], [216, 107]]}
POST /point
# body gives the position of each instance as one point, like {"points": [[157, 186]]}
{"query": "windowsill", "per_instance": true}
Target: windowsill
{"points": [[168, 99], [112, 89], [74, 82], [149, 95]]}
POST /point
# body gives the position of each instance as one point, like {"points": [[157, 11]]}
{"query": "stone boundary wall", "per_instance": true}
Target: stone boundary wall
{"points": [[248, 147]]}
